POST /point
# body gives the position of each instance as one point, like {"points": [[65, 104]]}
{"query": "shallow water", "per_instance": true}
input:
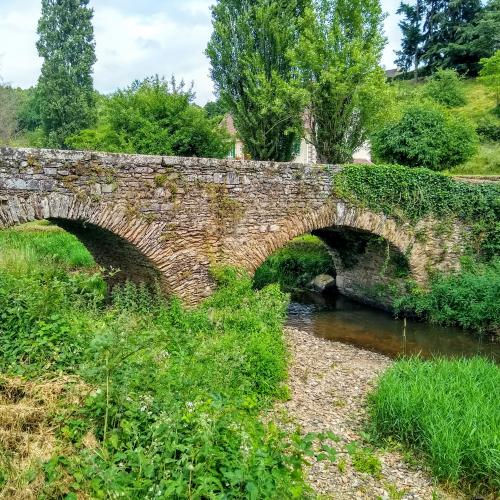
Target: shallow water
{"points": [[337, 318]]}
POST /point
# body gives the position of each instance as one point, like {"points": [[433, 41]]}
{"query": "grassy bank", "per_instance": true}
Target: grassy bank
{"points": [[153, 400], [449, 413], [296, 264]]}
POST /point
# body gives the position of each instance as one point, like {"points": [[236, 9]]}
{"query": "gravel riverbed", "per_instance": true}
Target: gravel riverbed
{"points": [[329, 382]]}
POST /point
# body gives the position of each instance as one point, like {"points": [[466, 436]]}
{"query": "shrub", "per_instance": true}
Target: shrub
{"points": [[489, 129], [449, 300], [448, 410], [425, 137], [445, 87]]}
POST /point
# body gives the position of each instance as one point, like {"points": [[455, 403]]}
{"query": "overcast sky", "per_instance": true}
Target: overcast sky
{"points": [[135, 38]]}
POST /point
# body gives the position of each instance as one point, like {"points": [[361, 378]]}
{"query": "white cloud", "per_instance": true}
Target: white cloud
{"points": [[134, 40], [132, 47]]}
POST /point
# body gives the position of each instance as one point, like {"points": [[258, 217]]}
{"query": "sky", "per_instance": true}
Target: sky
{"points": [[134, 39]]}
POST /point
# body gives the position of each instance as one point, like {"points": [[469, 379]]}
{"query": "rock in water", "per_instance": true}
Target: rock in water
{"points": [[322, 282]]}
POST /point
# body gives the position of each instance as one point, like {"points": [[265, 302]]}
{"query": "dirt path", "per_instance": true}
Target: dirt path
{"points": [[329, 382]]}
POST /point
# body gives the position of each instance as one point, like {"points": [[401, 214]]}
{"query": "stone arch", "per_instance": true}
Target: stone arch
{"points": [[127, 242], [254, 250], [330, 220]]}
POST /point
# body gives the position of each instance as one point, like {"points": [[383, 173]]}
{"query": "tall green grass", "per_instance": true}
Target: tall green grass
{"points": [[449, 411], [296, 264], [469, 298], [30, 247]]}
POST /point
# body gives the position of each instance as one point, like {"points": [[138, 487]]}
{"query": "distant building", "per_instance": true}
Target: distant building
{"points": [[304, 151]]}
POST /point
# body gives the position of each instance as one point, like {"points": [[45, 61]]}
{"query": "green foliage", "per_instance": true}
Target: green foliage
{"points": [[177, 394], [65, 87], [489, 129], [10, 101], [295, 265], [254, 76], [468, 298], [154, 117], [216, 109], [412, 194], [490, 74], [480, 38], [449, 411], [364, 460], [338, 56], [425, 137], [444, 87]]}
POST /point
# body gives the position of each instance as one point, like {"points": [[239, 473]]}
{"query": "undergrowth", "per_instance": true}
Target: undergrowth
{"points": [[448, 411], [174, 396]]}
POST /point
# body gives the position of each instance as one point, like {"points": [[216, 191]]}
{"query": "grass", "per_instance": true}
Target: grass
{"points": [[170, 399], [485, 162], [296, 264], [448, 411]]}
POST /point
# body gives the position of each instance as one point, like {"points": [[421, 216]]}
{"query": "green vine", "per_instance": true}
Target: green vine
{"points": [[409, 195]]}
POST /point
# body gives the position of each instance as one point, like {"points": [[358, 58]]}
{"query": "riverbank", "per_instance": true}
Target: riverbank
{"points": [[329, 383]]}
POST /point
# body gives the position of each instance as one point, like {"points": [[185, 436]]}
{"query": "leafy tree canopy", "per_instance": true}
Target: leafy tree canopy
{"points": [[253, 74], [65, 87], [338, 56], [154, 116]]}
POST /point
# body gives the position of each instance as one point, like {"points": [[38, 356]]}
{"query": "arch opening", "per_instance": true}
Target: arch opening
{"points": [[363, 266], [123, 261]]}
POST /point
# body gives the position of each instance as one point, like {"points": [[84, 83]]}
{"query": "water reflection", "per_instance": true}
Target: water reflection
{"points": [[337, 318]]}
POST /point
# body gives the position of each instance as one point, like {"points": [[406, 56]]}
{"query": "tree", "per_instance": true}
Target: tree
{"points": [[481, 37], [215, 109], [490, 74], [445, 87], [411, 37], [459, 14], [10, 101], [338, 56], [65, 87], [444, 21], [154, 117], [254, 77]]}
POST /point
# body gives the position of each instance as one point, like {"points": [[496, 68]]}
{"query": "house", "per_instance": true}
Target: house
{"points": [[304, 151]]}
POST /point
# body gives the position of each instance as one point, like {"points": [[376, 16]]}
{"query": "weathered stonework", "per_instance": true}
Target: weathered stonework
{"points": [[173, 218]]}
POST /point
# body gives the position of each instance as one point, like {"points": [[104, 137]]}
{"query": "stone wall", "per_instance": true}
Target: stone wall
{"points": [[174, 218]]}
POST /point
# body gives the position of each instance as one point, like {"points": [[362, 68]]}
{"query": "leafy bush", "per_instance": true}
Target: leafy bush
{"points": [[445, 87], [449, 411], [488, 129], [468, 298], [154, 117], [296, 264], [425, 137]]}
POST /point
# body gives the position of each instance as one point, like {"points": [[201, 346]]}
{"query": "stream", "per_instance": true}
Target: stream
{"points": [[337, 318]]}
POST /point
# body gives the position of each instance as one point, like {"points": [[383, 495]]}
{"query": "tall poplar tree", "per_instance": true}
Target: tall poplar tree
{"points": [[339, 59], [65, 88], [254, 78]]}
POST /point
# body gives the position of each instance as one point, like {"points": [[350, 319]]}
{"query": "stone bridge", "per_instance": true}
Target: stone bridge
{"points": [[171, 219]]}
